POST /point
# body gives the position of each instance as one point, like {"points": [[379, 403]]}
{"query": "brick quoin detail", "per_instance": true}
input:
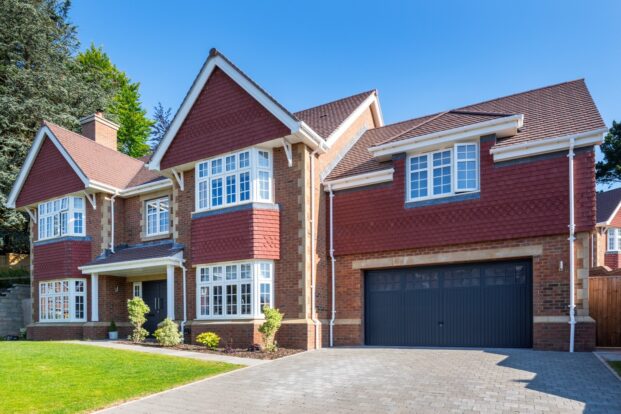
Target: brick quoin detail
{"points": [[224, 118], [523, 200], [50, 176]]}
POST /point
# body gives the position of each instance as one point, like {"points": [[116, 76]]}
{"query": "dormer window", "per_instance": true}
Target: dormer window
{"points": [[442, 173], [61, 217], [236, 178]]}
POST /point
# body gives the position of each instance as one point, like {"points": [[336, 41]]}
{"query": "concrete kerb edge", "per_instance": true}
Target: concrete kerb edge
{"points": [[603, 361]]}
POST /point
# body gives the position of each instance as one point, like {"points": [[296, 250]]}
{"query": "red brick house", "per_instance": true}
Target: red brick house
{"points": [[444, 230], [607, 239]]}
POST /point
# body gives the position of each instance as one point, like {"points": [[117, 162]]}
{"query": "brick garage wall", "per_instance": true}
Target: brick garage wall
{"points": [[224, 117], [50, 176], [550, 285], [375, 219]]}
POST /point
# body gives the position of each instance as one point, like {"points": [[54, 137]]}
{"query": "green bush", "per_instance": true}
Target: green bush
{"points": [[112, 327], [137, 310], [210, 339], [269, 328], [168, 333]]}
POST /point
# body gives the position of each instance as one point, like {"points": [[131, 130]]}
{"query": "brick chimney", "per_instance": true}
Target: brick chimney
{"points": [[100, 129]]}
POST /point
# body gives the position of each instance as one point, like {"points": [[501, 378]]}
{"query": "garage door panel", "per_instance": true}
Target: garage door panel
{"points": [[477, 305]]}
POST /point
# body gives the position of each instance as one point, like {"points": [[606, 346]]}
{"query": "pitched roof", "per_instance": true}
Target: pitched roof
{"points": [[153, 250], [552, 111], [326, 118], [100, 163], [607, 202]]}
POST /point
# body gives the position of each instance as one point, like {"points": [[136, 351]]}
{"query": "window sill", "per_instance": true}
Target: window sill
{"points": [[238, 207], [453, 198], [249, 318], [156, 236]]}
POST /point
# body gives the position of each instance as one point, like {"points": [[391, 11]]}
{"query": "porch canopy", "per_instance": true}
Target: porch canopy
{"points": [[137, 260]]}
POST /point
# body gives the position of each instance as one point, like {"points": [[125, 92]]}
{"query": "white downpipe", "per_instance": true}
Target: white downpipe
{"points": [[312, 253], [333, 265], [112, 221], [185, 306], [572, 238]]}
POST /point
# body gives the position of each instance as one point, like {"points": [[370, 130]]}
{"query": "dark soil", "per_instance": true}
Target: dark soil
{"points": [[236, 352]]}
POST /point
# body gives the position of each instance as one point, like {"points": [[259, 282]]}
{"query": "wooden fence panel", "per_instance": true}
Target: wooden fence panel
{"points": [[605, 308]]}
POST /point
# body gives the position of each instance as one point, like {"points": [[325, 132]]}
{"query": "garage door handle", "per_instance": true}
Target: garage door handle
{"points": [[440, 324]]}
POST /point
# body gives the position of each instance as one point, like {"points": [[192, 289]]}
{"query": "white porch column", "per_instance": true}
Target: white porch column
{"points": [[94, 297], [170, 292]]}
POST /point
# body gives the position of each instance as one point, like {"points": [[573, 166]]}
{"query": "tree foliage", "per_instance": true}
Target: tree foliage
{"points": [[162, 118], [608, 171], [39, 79]]}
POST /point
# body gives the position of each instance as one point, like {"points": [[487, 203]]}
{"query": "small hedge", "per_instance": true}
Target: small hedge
{"points": [[210, 339], [168, 333]]}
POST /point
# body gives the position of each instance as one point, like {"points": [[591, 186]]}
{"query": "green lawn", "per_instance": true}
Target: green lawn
{"points": [[616, 365], [52, 377]]}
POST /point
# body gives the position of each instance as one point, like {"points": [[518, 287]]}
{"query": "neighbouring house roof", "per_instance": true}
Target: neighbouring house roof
{"points": [[326, 118], [607, 204], [142, 251], [549, 112]]}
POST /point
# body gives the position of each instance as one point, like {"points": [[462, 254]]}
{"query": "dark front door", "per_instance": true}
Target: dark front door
{"points": [[469, 305], [154, 295]]}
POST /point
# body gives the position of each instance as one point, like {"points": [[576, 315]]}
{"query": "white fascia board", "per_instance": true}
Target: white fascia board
{"points": [[493, 126], [546, 146], [348, 122], [360, 180], [195, 90], [44, 131], [99, 186], [146, 188], [132, 264]]}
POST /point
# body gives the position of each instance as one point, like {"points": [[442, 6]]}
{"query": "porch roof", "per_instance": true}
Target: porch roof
{"points": [[138, 256]]}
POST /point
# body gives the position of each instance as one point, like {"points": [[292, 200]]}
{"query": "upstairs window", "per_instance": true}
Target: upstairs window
{"points": [[61, 217], [614, 240], [236, 178], [62, 300], [157, 216], [443, 173]]}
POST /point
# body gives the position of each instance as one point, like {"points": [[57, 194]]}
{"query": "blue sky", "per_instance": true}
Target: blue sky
{"points": [[422, 57]]}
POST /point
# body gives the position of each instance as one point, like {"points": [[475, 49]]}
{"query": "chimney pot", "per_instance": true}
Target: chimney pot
{"points": [[100, 130]]}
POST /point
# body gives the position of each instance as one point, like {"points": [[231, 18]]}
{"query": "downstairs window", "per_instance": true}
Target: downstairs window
{"points": [[234, 290], [62, 300]]}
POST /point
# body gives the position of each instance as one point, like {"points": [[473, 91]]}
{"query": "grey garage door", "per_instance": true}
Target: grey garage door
{"points": [[470, 305]]}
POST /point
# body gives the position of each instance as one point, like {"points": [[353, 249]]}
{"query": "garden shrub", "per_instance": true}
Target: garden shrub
{"points": [[269, 328], [168, 333], [210, 339], [112, 327], [137, 310]]}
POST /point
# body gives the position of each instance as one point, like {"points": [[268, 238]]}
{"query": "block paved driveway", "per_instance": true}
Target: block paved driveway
{"points": [[360, 380]]}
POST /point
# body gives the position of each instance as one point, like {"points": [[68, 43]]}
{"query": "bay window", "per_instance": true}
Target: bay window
{"points": [[61, 217], [234, 290], [157, 216], [62, 300], [442, 173], [614, 240], [236, 178]]}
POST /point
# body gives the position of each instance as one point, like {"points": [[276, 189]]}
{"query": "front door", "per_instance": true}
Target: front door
{"points": [[154, 295]]}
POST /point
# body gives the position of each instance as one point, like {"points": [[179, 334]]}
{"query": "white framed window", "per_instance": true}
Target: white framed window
{"points": [[236, 178], [157, 212], [62, 300], [442, 173], [234, 290], [137, 289], [61, 217], [614, 239]]}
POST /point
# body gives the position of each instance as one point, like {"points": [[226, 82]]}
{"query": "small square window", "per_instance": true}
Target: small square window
{"points": [[230, 163], [216, 166], [244, 159], [264, 159]]}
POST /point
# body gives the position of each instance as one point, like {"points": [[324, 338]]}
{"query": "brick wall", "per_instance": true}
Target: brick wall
{"points": [[50, 176], [612, 260], [550, 285], [223, 118], [516, 200]]}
